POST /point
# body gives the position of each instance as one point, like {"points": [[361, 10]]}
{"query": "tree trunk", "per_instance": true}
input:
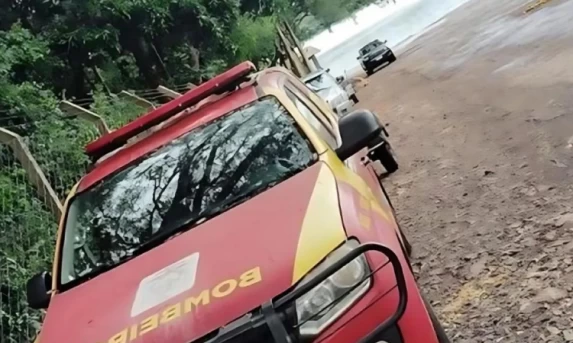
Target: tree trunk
{"points": [[77, 88], [195, 57], [160, 61], [101, 79], [134, 41]]}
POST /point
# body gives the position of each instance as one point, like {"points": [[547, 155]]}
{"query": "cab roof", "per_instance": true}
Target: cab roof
{"points": [[214, 100]]}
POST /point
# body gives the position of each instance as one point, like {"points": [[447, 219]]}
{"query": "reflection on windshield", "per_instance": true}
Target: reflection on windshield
{"points": [[323, 81], [203, 172]]}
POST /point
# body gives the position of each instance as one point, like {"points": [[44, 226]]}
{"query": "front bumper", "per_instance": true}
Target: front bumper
{"points": [[275, 321], [380, 59]]}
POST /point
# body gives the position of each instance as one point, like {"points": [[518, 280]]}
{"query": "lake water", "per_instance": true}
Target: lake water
{"points": [[398, 24]]}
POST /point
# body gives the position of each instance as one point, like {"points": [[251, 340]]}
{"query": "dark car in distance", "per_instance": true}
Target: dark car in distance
{"points": [[374, 55]]}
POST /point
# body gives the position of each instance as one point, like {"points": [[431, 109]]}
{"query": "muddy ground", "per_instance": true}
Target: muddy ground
{"points": [[480, 111]]}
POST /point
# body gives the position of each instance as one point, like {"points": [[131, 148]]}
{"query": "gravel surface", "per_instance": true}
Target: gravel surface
{"points": [[480, 111]]}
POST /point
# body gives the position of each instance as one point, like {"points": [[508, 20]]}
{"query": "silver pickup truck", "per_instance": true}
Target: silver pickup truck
{"points": [[337, 92]]}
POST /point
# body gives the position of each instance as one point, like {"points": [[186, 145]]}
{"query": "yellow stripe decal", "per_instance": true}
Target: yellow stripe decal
{"points": [[344, 174], [322, 230], [364, 220], [364, 203], [378, 209]]}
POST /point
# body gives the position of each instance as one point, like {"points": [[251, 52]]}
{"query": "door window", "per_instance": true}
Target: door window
{"points": [[325, 133]]}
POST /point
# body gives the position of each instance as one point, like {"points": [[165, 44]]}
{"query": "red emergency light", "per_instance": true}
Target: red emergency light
{"points": [[217, 85]]}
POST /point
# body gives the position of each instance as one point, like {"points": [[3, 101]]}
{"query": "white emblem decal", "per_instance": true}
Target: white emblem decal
{"points": [[165, 284]]}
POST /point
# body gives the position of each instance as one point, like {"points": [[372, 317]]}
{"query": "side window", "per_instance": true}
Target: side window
{"points": [[308, 114], [330, 121]]}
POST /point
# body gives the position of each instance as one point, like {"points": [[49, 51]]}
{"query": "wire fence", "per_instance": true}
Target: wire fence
{"points": [[27, 229], [28, 214], [153, 95]]}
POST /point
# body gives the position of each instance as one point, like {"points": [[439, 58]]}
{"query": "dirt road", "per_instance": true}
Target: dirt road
{"points": [[480, 109]]}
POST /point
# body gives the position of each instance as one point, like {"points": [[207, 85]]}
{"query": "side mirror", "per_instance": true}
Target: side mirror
{"points": [[357, 130], [328, 70], [38, 290], [385, 41]]}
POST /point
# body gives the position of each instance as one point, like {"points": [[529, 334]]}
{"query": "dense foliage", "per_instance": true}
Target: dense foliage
{"points": [[51, 49], [144, 43], [27, 227]]}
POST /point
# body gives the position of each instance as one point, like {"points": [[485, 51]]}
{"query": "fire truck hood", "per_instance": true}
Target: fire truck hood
{"points": [[207, 277]]}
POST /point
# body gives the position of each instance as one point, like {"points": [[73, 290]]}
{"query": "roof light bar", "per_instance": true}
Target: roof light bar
{"points": [[216, 85]]}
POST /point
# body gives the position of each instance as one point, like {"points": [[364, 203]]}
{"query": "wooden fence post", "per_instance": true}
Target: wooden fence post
{"points": [[298, 68], [168, 92], [33, 170], [86, 115], [298, 45], [137, 100]]}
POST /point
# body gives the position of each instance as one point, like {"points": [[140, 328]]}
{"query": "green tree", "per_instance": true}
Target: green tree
{"points": [[253, 39]]}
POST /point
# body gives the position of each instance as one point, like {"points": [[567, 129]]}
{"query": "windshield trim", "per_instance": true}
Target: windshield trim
{"points": [[61, 287]]}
